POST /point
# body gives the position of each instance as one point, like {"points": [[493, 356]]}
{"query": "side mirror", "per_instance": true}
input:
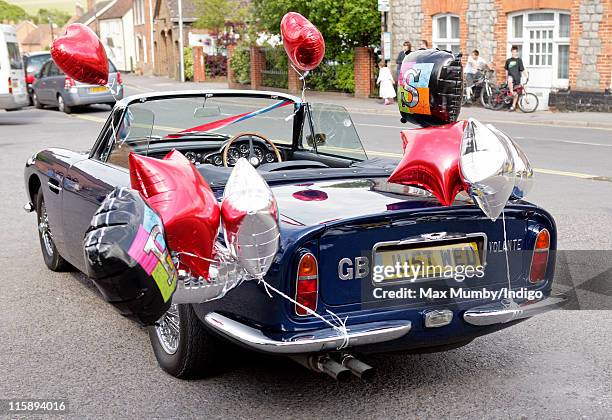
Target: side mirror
{"points": [[319, 138], [207, 112]]}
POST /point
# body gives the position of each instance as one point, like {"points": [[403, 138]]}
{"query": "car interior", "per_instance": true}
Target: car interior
{"points": [[329, 153]]}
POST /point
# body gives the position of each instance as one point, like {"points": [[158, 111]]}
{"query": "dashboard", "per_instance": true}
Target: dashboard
{"points": [[261, 150]]}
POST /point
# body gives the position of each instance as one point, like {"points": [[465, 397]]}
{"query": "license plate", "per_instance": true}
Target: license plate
{"points": [[425, 262], [98, 89]]}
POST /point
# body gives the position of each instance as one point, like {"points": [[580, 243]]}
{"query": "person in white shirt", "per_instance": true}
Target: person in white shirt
{"points": [[386, 82], [474, 67]]}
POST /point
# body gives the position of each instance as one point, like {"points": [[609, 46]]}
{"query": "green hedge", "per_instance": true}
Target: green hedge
{"points": [[240, 63]]}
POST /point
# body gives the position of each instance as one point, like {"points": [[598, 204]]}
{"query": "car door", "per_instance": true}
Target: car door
{"points": [[55, 81], [86, 184], [41, 88]]}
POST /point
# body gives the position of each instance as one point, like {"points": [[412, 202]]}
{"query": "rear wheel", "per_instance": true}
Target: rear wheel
{"points": [[528, 102], [53, 260], [485, 95], [183, 347], [61, 104], [496, 100], [36, 101]]}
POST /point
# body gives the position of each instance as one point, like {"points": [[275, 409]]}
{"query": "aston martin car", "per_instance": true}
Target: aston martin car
{"points": [[342, 225]]}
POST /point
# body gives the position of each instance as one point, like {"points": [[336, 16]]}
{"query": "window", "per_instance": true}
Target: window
{"points": [[446, 33], [14, 55], [139, 15], [563, 62], [542, 38], [540, 47]]}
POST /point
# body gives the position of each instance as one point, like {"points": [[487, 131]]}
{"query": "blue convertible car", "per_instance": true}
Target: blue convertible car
{"points": [[340, 222]]}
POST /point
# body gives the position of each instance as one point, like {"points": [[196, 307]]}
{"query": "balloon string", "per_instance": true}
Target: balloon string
{"points": [[303, 79], [339, 325]]}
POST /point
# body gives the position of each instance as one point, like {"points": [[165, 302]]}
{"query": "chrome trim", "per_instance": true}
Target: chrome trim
{"points": [[502, 312], [426, 238], [307, 342], [28, 207], [54, 187]]}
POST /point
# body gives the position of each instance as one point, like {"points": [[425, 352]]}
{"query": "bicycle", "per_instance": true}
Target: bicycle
{"points": [[501, 97], [481, 88]]}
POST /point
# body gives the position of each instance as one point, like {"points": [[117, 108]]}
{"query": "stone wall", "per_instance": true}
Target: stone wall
{"points": [[481, 19], [589, 44], [406, 22]]}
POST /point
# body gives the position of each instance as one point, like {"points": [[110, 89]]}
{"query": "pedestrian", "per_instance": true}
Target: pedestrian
{"points": [[386, 82], [406, 49], [424, 44], [514, 70], [474, 68]]}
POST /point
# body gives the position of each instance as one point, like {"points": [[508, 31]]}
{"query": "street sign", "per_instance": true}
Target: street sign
{"points": [[387, 45], [383, 5]]}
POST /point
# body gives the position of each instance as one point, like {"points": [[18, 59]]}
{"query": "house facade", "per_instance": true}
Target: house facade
{"points": [[564, 44]]}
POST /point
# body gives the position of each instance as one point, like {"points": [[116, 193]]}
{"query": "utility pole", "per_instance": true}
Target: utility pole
{"points": [[181, 57]]}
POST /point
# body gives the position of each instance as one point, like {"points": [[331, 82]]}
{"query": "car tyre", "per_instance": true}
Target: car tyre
{"points": [[61, 104], [197, 352], [36, 101], [53, 259]]}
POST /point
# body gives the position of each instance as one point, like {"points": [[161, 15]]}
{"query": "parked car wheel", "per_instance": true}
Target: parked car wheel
{"points": [[53, 260], [36, 101], [183, 347], [61, 104]]}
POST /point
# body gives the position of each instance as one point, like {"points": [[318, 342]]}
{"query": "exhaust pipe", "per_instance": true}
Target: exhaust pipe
{"points": [[357, 367], [324, 364]]}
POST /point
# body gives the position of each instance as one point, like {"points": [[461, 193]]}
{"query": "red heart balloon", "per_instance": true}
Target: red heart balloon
{"points": [[302, 40], [81, 55], [185, 202], [431, 161]]}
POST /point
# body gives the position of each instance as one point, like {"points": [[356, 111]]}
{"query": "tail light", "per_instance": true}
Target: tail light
{"points": [[68, 83], [307, 284], [10, 85], [539, 260], [119, 81], [29, 78]]}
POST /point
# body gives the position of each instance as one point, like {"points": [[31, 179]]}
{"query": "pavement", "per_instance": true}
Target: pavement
{"points": [[372, 105], [61, 340]]}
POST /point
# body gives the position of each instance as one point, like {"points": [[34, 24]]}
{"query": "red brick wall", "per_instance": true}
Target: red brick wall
{"points": [[432, 8], [258, 63], [231, 78], [199, 64], [604, 61], [294, 84], [364, 65]]}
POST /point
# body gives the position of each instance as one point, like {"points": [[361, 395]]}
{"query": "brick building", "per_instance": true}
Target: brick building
{"points": [[165, 34], [565, 44]]}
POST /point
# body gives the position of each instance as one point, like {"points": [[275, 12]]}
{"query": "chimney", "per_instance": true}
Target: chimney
{"points": [[78, 11], [90, 5]]}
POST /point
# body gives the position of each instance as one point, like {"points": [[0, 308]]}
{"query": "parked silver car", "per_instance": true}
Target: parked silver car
{"points": [[52, 87]]}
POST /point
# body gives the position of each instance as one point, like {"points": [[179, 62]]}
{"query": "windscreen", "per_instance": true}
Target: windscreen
{"points": [[36, 62], [214, 118], [334, 132]]}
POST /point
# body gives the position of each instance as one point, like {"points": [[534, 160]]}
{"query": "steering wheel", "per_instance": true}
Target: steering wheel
{"points": [[253, 159]]}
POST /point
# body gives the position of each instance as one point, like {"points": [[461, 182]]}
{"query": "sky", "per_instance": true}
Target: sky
{"points": [[31, 6]]}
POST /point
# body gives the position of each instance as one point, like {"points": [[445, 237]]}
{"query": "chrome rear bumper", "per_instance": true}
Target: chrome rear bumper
{"points": [[307, 342], [500, 313]]}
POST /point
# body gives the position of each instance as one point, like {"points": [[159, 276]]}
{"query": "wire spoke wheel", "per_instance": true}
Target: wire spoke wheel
{"points": [[528, 102], [168, 330]]}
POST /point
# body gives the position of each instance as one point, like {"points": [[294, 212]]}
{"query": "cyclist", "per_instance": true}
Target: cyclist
{"points": [[514, 69], [474, 68]]}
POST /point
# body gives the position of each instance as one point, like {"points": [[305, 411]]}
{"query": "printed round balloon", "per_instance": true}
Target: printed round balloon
{"points": [[430, 87]]}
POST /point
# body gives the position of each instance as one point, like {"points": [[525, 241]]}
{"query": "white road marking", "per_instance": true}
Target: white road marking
{"points": [[587, 143]]}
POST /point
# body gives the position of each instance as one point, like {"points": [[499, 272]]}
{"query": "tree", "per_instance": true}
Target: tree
{"points": [[344, 24], [59, 17], [216, 15], [11, 13]]}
